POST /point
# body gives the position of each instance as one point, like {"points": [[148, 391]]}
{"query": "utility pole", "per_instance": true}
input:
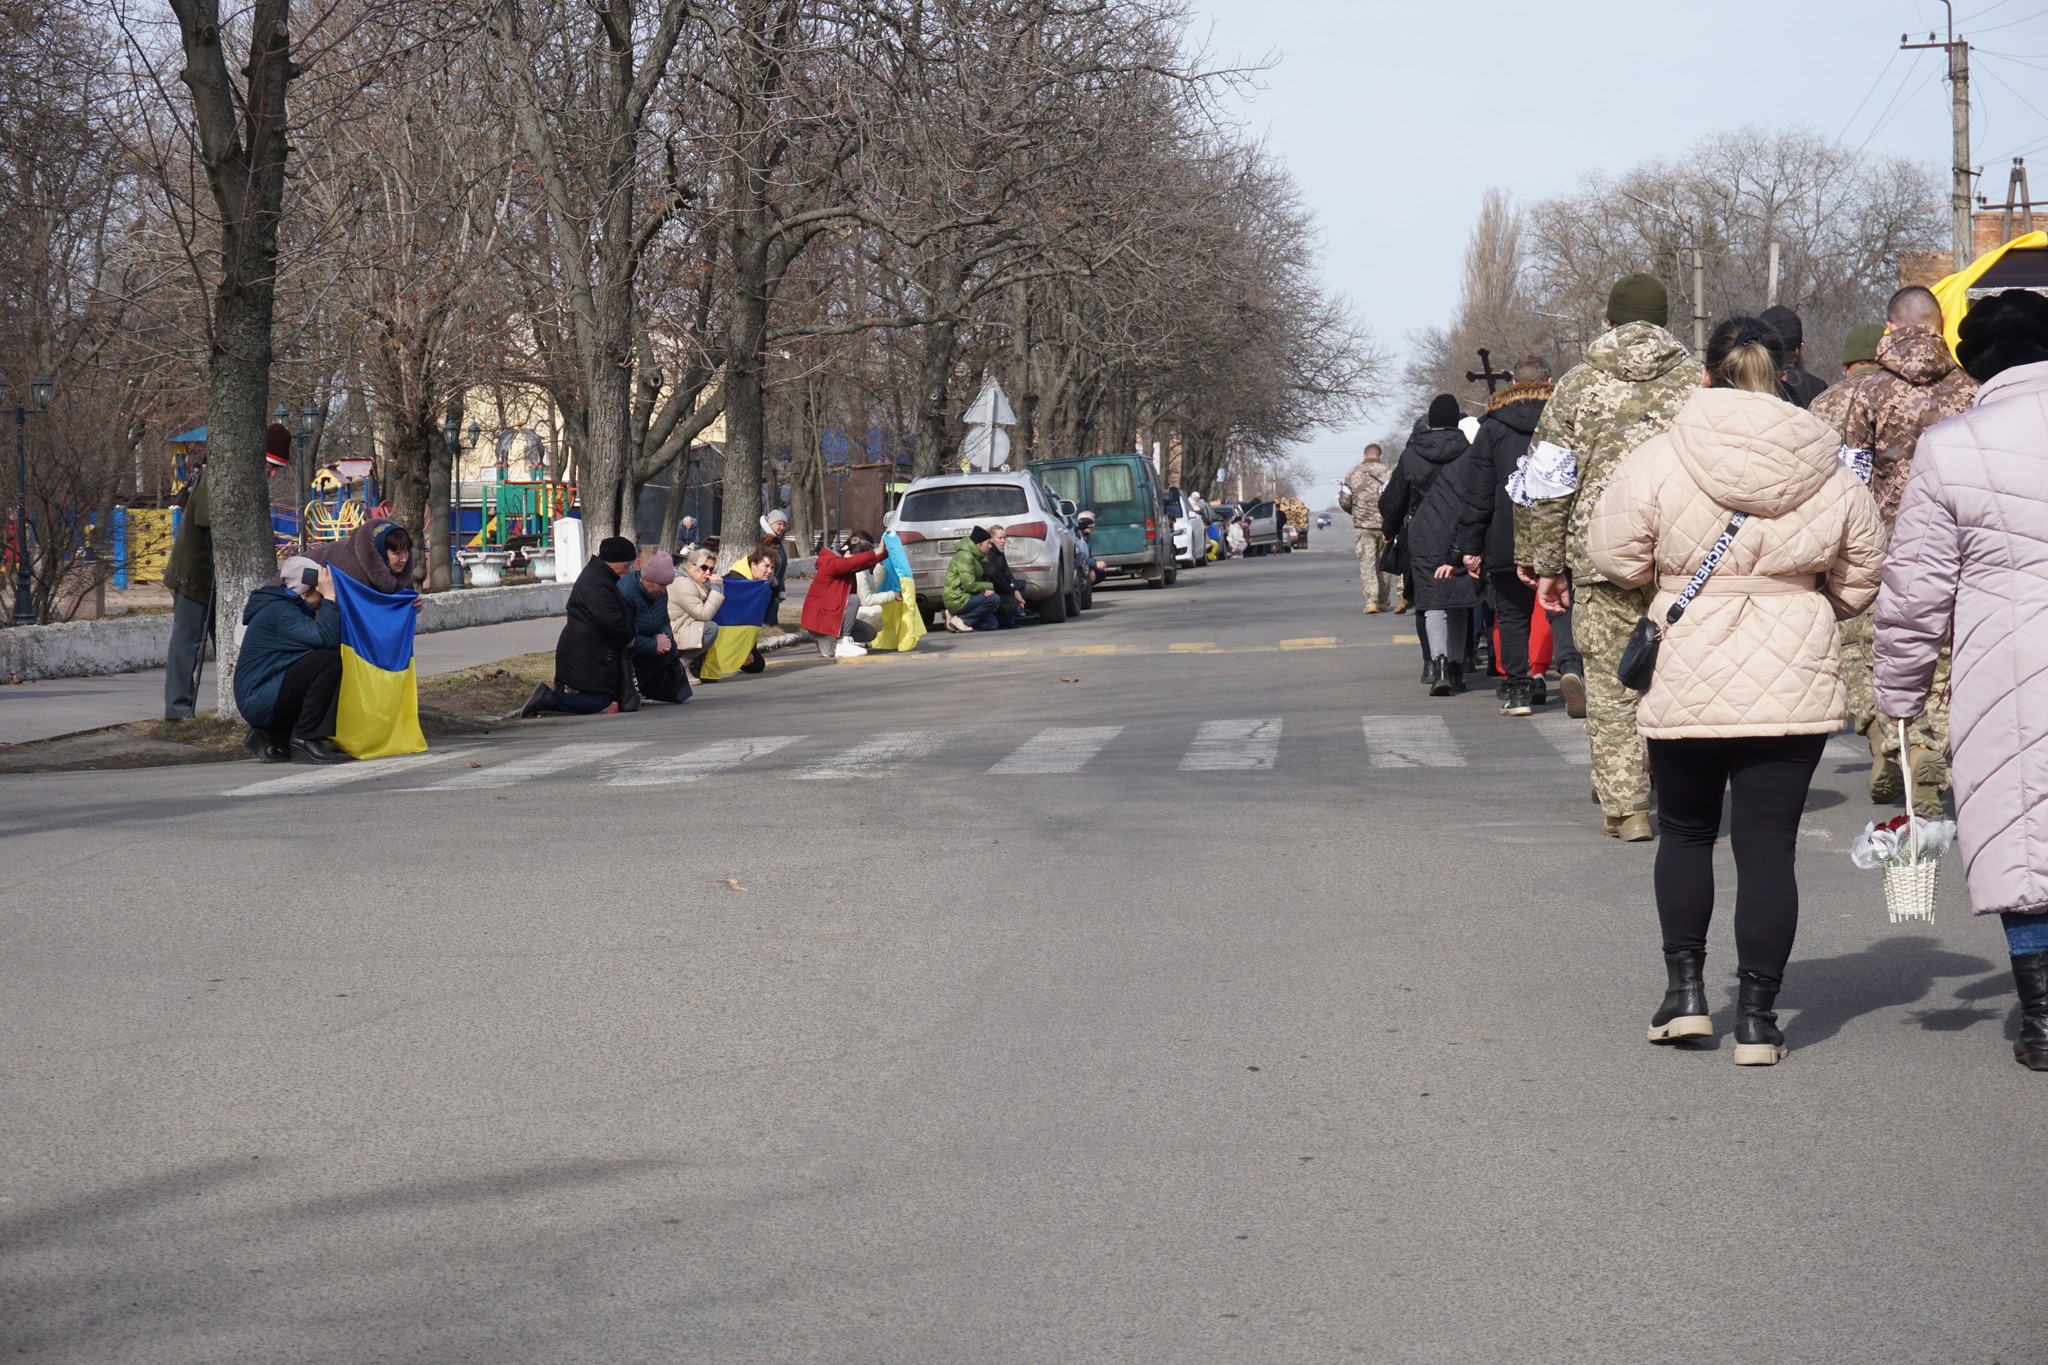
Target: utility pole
{"points": [[1771, 291], [1959, 99]]}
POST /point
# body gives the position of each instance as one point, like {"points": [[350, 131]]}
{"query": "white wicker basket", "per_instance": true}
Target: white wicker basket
{"points": [[1910, 888]]}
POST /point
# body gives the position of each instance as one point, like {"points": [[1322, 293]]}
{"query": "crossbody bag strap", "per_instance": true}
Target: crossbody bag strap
{"points": [[1706, 569]]}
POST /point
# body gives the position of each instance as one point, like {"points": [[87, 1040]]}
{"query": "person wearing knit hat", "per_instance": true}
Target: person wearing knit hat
{"points": [[1632, 383], [617, 551], [1800, 386], [1859, 357], [657, 664], [2003, 332], [1859, 347], [591, 675]]}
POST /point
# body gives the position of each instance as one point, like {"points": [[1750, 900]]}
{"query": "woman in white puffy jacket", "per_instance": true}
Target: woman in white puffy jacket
{"points": [[1748, 682]]}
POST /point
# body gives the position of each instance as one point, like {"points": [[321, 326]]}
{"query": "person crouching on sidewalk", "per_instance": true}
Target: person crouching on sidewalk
{"points": [[657, 663], [288, 669], [836, 628]]}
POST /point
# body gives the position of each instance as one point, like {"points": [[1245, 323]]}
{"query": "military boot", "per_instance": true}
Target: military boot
{"points": [[1928, 780], [1887, 783], [1632, 828], [1574, 688], [1758, 1039], [1684, 1011], [2030, 974]]}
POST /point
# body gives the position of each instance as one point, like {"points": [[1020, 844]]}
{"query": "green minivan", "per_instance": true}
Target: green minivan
{"points": [[1132, 535]]}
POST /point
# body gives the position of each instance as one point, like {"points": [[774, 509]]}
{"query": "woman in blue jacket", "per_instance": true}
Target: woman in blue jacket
{"points": [[288, 668]]}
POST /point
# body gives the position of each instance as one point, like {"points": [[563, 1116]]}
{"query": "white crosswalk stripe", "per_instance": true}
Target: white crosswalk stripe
{"points": [[1566, 735], [882, 754], [698, 763], [1058, 749], [1411, 742], [532, 766], [337, 775], [1226, 745]]}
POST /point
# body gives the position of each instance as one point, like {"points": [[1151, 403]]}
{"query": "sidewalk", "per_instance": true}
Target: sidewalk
{"points": [[62, 706]]}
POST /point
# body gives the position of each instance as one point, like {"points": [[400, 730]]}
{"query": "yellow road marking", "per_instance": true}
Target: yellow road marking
{"points": [[1195, 647], [1091, 649], [1406, 640], [997, 653], [1312, 642]]}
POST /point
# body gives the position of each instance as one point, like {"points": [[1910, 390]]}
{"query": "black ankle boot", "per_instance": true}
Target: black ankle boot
{"points": [[1453, 676], [1758, 1039], [1684, 1011], [1440, 677], [2030, 974]]}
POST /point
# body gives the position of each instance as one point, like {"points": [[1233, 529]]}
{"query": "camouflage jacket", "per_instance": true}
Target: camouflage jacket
{"points": [[1360, 495], [1917, 383], [1631, 385], [1832, 406]]}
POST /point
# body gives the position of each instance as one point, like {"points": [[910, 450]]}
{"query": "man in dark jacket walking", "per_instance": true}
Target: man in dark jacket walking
{"points": [[657, 663], [1424, 498], [1800, 387], [288, 669], [1486, 532], [589, 654]]}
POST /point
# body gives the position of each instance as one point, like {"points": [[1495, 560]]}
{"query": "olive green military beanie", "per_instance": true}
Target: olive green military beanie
{"points": [[1861, 343], [1638, 298]]}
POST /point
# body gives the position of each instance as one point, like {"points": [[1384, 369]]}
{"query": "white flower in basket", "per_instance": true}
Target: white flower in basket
{"points": [[1909, 850]]}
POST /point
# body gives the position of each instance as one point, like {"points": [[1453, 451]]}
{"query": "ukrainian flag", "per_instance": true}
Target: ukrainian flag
{"points": [[739, 626], [379, 711], [902, 627]]}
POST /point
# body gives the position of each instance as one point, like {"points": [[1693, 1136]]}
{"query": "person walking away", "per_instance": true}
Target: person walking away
{"points": [[1969, 563], [657, 663], [1859, 357], [594, 638], [693, 603], [288, 667], [1748, 682], [1485, 539], [1359, 494], [1424, 499], [1917, 384], [1799, 387], [826, 615], [189, 576], [967, 594], [1630, 386]]}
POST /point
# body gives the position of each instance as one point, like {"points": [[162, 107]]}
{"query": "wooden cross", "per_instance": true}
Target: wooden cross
{"points": [[1487, 372]]}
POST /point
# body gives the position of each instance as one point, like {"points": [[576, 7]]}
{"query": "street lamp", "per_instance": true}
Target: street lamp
{"points": [[24, 601], [308, 419], [451, 435]]}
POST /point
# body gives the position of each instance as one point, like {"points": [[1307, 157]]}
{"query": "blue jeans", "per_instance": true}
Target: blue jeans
{"points": [[984, 611]]}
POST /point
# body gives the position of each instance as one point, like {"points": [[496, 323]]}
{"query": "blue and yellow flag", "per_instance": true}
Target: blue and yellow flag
{"points": [[379, 711], [739, 627], [902, 627]]}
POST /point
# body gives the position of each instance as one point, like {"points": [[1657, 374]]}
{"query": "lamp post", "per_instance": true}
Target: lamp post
{"points": [[24, 599], [307, 420], [451, 433]]}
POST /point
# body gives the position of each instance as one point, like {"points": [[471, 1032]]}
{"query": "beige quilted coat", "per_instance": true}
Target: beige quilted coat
{"points": [[1756, 653]]}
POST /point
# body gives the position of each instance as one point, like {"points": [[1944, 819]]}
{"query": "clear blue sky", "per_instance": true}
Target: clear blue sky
{"points": [[1394, 117]]}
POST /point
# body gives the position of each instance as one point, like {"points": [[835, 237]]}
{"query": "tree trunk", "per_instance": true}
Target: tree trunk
{"points": [[935, 451], [745, 414], [406, 465]]}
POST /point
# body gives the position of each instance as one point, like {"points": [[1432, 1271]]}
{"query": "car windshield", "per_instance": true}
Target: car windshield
{"points": [[1110, 485], [964, 502], [1065, 483]]}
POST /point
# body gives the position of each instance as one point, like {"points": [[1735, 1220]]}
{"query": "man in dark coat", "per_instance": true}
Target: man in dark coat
{"points": [[1425, 498], [589, 655], [189, 576], [1800, 387], [657, 663], [1486, 529]]}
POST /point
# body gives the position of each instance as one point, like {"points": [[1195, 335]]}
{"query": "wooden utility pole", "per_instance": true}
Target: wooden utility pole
{"points": [[1959, 109]]}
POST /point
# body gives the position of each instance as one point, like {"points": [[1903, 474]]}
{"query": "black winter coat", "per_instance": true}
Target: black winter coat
{"points": [[1424, 498], [1486, 526], [598, 631]]}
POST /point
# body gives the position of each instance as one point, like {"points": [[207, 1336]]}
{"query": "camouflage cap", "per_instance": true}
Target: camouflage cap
{"points": [[1860, 346], [1638, 298]]}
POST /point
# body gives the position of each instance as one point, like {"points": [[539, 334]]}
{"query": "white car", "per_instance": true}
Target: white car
{"points": [[938, 511], [1190, 528]]}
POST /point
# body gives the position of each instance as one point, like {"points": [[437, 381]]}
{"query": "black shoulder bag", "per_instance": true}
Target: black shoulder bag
{"points": [[1638, 666]]}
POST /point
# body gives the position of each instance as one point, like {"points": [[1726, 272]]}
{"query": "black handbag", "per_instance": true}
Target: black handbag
{"points": [[1638, 666], [1394, 557]]}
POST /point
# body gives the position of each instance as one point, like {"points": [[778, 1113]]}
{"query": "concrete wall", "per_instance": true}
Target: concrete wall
{"points": [[128, 644]]}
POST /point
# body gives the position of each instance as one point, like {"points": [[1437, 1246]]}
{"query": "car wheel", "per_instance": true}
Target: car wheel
{"points": [[1084, 593], [1169, 578], [1051, 610]]}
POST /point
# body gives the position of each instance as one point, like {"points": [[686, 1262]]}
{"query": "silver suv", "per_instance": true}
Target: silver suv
{"points": [[938, 512]]}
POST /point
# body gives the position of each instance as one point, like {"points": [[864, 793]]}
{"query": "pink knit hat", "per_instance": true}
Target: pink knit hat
{"points": [[659, 571]]}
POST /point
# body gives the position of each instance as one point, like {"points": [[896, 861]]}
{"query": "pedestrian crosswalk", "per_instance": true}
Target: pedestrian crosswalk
{"points": [[1248, 745]]}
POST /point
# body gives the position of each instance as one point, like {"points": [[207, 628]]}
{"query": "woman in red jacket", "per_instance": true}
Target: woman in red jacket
{"points": [[837, 630]]}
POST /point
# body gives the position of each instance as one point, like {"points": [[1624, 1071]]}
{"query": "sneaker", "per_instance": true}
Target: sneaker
{"points": [[850, 649], [1539, 692], [1574, 688], [958, 626], [1518, 700]]}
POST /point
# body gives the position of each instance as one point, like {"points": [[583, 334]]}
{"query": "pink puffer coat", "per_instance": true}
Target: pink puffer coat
{"points": [[1757, 652], [1970, 552]]}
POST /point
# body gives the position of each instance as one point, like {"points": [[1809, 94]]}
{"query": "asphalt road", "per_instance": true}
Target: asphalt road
{"points": [[1177, 984]]}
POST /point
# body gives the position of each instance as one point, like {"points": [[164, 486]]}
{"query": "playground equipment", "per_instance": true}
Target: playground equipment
{"points": [[518, 529]]}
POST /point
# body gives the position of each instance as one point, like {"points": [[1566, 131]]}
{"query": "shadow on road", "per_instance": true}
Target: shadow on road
{"points": [[1828, 992]]}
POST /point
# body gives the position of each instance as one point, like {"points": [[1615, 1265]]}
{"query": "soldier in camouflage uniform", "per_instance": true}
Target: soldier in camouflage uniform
{"points": [[1631, 385], [1859, 358], [1360, 496], [1916, 384]]}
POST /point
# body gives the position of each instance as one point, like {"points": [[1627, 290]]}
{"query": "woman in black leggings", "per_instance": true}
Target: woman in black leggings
{"points": [[1752, 532]]}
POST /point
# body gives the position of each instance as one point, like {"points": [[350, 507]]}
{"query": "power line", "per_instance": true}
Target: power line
{"points": [[1867, 94]]}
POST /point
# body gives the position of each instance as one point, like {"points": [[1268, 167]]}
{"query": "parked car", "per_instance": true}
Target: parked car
{"points": [[938, 512], [1262, 537], [1190, 529], [1124, 494], [1322, 520]]}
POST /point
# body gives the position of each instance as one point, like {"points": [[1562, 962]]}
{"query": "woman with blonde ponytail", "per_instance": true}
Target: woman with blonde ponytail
{"points": [[1748, 681]]}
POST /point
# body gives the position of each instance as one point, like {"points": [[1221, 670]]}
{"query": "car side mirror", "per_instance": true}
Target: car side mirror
{"points": [[1067, 509]]}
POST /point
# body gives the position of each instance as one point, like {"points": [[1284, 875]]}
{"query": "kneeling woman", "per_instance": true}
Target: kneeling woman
{"points": [[1748, 683]]}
